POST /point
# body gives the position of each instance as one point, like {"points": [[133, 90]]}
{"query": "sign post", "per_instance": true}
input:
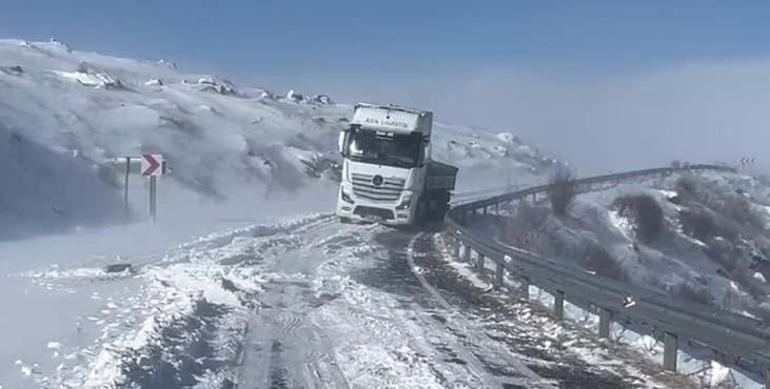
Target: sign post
{"points": [[152, 167], [153, 198], [125, 187]]}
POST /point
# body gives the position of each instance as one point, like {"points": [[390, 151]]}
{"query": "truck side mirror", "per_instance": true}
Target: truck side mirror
{"points": [[341, 142]]}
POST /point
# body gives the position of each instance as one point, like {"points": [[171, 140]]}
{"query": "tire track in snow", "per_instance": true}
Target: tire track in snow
{"points": [[469, 331], [278, 375], [282, 349], [291, 321], [394, 333]]}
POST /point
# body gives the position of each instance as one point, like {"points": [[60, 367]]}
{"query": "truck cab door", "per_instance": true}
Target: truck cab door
{"points": [[426, 151]]}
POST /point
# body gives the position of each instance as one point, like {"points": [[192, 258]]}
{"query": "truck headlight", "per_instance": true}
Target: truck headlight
{"points": [[345, 197], [406, 201]]}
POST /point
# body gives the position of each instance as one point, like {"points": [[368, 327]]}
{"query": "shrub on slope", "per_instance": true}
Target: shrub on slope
{"points": [[646, 214], [563, 189]]}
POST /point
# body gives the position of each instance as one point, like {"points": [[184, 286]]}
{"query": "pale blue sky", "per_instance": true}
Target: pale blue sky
{"points": [[607, 84], [254, 40]]}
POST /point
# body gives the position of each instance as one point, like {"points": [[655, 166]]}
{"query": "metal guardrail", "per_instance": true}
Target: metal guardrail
{"points": [[734, 339]]}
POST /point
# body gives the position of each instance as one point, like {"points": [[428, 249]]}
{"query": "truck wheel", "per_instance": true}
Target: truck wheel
{"points": [[420, 214], [443, 205], [438, 205], [344, 220]]}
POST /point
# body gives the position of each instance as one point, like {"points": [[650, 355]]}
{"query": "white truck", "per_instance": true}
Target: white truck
{"points": [[388, 175]]}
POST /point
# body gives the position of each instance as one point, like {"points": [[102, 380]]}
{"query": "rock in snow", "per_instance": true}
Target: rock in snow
{"points": [[168, 64], [222, 87], [294, 96], [154, 82]]}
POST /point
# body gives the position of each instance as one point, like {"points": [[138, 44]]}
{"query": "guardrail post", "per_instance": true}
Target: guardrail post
{"points": [[605, 318], [457, 245], [467, 253], [499, 271], [524, 288], [558, 305], [480, 262], [497, 209], [485, 210], [534, 198], [670, 349]]}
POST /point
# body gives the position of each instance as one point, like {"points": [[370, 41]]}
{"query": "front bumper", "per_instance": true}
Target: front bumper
{"points": [[370, 211]]}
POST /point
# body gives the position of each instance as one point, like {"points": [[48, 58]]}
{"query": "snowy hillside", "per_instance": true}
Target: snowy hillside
{"points": [[64, 114], [700, 237]]}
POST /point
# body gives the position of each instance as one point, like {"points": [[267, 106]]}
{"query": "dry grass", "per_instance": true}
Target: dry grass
{"points": [[693, 293], [526, 230]]}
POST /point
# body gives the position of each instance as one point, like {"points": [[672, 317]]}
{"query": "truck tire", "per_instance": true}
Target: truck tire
{"points": [[421, 213], [438, 205]]}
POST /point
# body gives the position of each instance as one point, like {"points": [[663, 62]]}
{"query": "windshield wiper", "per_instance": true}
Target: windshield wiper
{"points": [[390, 161], [401, 163]]}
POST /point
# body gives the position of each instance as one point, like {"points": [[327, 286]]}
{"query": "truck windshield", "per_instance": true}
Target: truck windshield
{"points": [[384, 148]]}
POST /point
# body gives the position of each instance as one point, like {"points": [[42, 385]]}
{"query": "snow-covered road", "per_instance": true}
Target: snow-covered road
{"points": [[306, 304]]}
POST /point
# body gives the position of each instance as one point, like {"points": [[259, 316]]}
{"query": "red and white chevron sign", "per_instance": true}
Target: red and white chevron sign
{"points": [[152, 165], [747, 161]]}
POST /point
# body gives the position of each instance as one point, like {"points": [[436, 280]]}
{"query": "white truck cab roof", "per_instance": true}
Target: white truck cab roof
{"points": [[392, 118]]}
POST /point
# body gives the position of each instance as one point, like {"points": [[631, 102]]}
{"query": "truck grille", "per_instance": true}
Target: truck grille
{"points": [[389, 190]]}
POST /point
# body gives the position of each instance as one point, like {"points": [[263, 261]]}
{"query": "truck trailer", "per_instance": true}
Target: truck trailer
{"points": [[388, 175]]}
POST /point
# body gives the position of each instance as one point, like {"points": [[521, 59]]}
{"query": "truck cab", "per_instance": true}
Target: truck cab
{"points": [[387, 173]]}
